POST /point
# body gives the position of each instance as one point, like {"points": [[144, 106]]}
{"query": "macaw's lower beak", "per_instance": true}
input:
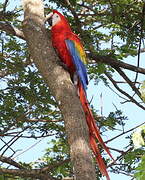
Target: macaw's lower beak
{"points": [[49, 18], [50, 21]]}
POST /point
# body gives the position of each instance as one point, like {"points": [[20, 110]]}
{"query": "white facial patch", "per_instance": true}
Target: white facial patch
{"points": [[55, 19]]}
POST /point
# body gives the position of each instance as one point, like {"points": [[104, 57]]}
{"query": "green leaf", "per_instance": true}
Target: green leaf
{"points": [[140, 170]]}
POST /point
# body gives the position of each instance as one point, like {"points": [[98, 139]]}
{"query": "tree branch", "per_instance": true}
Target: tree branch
{"points": [[9, 29], [34, 173], [10, 162], [114, 63]]}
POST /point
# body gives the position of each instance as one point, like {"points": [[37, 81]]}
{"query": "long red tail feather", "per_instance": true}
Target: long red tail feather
{"points": [[99, 159], [94, 133]]}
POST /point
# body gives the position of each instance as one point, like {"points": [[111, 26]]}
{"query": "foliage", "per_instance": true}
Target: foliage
{"points": [[140, 172], [59, 152], [109, 29]]}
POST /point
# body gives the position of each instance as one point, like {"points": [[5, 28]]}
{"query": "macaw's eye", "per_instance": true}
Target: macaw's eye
{"points": [[57, 16]]}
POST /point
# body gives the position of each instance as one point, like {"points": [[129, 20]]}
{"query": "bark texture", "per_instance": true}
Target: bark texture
{"points": [[61, 86]]}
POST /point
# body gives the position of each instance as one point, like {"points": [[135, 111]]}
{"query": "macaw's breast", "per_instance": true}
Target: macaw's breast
{"points": [[58, 42]]}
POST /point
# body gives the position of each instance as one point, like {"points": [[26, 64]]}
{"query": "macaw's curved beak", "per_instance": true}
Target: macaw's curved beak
{"points": [[49, 18]]}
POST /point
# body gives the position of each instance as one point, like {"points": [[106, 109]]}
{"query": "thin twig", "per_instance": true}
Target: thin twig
{"points": [[6, 145], [54, 165], [119, 157], [28, 148], [123, 92], [125, 132], [31, 136], [131, 84], [15, 138]]}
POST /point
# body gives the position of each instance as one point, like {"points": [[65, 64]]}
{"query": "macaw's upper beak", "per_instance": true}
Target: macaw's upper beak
{"points": [[49, 18]]}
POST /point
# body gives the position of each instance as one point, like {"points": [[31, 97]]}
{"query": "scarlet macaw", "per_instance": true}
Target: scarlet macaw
{"points": [[71, 52]]}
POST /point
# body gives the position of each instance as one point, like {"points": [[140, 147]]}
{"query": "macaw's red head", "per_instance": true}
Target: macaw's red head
{"points": [[57, 20]]}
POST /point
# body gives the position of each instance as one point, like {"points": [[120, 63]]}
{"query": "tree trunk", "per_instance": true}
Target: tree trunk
{"points": [[61, 87]]}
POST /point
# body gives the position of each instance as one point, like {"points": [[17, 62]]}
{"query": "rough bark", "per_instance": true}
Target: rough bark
{"points": [[61, 86], [26, 173]]}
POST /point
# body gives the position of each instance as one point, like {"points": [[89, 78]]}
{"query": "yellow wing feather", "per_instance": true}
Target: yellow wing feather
{"points": [[81, 52]]}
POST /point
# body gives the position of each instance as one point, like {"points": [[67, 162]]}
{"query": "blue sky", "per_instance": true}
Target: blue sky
{"points": [[135, 116]]}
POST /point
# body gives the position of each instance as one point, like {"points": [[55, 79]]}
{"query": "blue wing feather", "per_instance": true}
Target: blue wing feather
{"points": [[79, 65]]}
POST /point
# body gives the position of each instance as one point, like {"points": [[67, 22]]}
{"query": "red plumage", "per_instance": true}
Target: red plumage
{"points": [[58, 42], [60, 32]]}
